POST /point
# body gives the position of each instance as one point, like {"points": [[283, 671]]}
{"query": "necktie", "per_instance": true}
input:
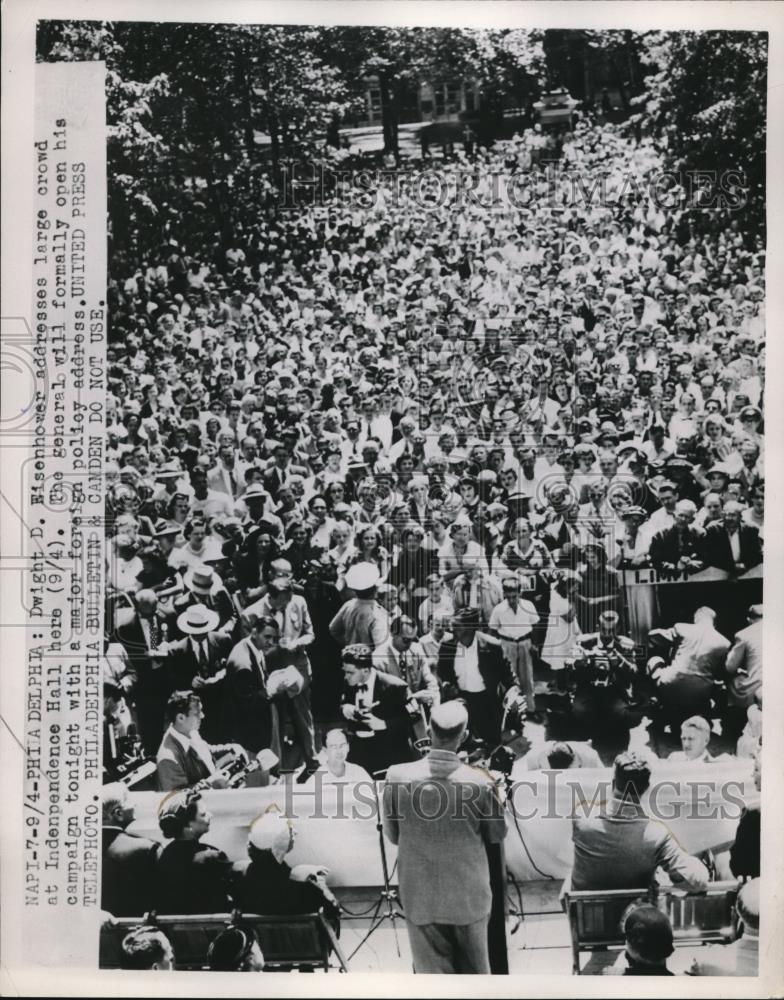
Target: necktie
{"points": [[361, 688], [232, 482], [257, 663], [153, 633], [404, 666], [203, 661]]}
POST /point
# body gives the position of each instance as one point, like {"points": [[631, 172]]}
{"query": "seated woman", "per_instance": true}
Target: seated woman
{"points": [[266, 884], [190, 876]]}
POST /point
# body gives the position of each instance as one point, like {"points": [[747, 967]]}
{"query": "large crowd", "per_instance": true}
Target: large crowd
{"points": [[378, 453]]}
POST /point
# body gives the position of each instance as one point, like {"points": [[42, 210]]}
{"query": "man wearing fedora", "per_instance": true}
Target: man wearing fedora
{"points": [[204, 587], [197, 662]]}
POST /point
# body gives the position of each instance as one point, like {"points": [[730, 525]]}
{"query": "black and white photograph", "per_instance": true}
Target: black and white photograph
{"points": [[434, 469]]}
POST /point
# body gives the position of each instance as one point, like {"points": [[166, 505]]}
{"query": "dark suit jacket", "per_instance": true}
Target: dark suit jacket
{"points": [[717, 552], [392, 744], [493, 666], [425, 518], [148, 683], [192, 877], [181, 665], [128, 876], [251, 718], [669, 546]]}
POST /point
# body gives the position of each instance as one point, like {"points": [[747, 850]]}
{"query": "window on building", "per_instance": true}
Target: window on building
{"points": [[447, 97], [374, 103]]}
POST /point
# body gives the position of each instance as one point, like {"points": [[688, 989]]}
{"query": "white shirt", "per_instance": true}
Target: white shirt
{"points": [[514, 624], [467, 668], [734, 538], [363, 701]]}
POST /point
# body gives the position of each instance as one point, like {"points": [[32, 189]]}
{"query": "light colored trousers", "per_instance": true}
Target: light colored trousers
{"points": [[518, 654], [450, 948]]}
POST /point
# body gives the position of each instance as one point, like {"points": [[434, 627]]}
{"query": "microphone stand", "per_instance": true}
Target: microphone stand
{"points": [[388, 896]]}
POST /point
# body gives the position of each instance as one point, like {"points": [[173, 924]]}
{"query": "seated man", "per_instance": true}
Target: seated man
{"points": [[685, 686], [146, 948], [267, 885], [695, 737], [559, 755], [184, 759], [191, 876], [333, 767], [741, 958], [128, 874], [744, 673], [619, 846], [730, 544]]}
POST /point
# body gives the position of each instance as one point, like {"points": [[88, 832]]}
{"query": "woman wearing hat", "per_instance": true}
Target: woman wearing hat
{"points": [[191, 876]]}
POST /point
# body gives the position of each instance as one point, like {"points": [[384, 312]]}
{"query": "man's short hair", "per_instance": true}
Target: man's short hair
{"points": [[399, 622], [142, 947], [112, 795], [332, 732], [180, 703], [448, 721], [258, 623], [649, 932], [561, 755], [697, 722], [631, 774]]}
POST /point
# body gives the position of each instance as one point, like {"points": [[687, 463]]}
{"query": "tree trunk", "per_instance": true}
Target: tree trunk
{"points": [[388, 116]]}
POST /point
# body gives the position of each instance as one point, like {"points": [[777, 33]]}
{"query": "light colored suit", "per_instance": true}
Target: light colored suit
{"points": [[745, 656], [442, 813], [621, 847]]}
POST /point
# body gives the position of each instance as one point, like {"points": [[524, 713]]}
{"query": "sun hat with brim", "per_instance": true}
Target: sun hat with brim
{"points": [[164, 527], [198, 620], [201, 580]]}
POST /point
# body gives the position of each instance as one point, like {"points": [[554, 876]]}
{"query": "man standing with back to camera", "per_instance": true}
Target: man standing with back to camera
{"points": [[441, 813]]}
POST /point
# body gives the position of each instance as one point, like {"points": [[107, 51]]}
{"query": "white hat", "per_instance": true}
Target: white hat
{"points": [[201, 580], [271, 832], [362, 576], [198, 620]]}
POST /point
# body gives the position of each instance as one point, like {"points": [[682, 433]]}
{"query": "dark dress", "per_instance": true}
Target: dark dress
{"points": [[264, 886], [192, 877]]}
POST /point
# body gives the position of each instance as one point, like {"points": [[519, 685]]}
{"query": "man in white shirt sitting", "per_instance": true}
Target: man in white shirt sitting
{"points": [[334, 769]]}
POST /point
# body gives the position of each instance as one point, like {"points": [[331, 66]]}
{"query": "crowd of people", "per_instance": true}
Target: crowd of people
{"points": [[381, 453]]}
